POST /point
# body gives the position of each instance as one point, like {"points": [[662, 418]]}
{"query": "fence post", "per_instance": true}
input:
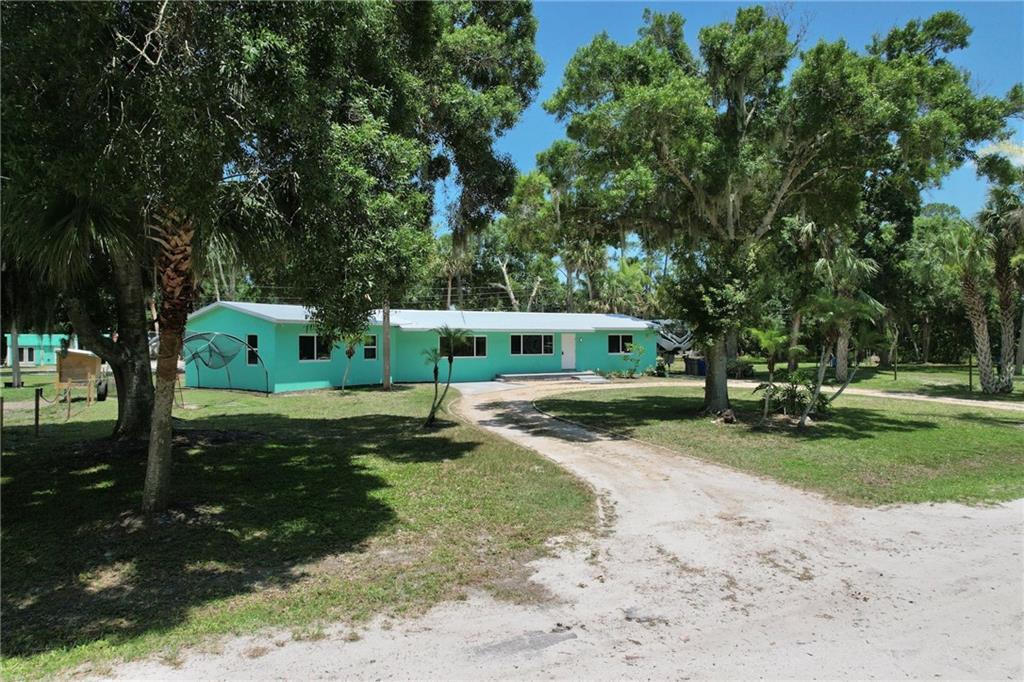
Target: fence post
{"points": [[39, 393]]}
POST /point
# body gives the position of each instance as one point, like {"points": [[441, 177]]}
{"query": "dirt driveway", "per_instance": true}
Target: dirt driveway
{"points": [[702, 572]]}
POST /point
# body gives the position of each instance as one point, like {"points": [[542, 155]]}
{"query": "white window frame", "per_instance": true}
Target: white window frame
{"points": [[521, 351], [474, 337], [316, 349], [250, 348], [367, 346], [622, 345]]}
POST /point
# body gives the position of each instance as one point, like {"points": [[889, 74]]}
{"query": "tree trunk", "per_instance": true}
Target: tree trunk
{"points": [[174, 233], [128, 357], [732, 345], [978, 317], [1018, 365], [508, 284], [817, 386], [794, 341], [716, 382], [448, 295], [15, 360], [533, 294], [926, 339], [570, 284], [843, 351], [385, 332], [1007, 336]]}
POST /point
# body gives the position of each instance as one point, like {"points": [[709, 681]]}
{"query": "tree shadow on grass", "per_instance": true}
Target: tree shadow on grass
{"points": [[625, 415], [523, 416], [81, 565]]}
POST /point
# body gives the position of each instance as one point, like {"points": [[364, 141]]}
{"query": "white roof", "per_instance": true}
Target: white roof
{"points": [[472, 320]]}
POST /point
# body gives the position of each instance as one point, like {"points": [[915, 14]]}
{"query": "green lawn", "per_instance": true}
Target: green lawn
{"points": [[871, 451], [289, 511], [41, 377], [952, 381]]}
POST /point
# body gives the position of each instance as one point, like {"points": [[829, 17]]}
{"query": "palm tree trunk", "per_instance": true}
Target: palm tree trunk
{"points": [[843, 351], [448, 296], [1008, 334], [385, 332], [794, 341], [716, 381], [447, 383], [978, 317], [174, 233], [1018, 365], [433, 403]]}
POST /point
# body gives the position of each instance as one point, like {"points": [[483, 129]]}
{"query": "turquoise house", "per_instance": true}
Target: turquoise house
{"points": [[34, 349], [274, 348]]}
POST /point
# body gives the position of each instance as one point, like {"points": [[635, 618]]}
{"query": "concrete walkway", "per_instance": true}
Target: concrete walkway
{"points": [[696, 571]]}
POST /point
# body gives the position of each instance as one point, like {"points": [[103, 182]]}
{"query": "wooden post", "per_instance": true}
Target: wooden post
{"points": [[39, 393]]}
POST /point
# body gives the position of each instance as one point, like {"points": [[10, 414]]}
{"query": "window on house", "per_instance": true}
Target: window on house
{"points": [[533, 344], [469, 347], [370, 347], [313, 347], [619, 343], [252, 354]]}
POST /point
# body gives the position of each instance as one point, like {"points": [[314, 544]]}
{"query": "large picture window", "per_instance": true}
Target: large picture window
{"points": [[533, 344], [370, 347], [618, 344], [313, 347], [252, 353], [469, 347]]}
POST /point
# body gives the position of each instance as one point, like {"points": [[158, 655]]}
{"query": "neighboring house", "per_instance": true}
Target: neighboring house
{"points": [[34, 349], [289, 356]]}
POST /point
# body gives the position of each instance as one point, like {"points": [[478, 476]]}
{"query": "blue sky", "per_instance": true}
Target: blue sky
{"points": [[995, 57]]}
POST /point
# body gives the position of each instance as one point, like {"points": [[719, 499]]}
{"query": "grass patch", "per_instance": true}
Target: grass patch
{"points": [[870, 451], [288, 511], [947, 381], [31, 379]]}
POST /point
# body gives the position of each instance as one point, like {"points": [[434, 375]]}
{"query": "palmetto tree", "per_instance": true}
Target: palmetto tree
{"points": [[1002, 219], [448, 340], [350, 342], [832, 313], [967, 255], [772, 339]]}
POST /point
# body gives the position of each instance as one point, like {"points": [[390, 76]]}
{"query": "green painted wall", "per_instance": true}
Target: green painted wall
{"points": [[46, 347], [238, 374], [279, 348]]}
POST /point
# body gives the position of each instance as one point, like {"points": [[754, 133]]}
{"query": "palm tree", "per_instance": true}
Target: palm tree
{"points": [[772, 340], [350, 341], [832, 312], [447, 340], [967, 255], [433, 357], [1002, 219]]}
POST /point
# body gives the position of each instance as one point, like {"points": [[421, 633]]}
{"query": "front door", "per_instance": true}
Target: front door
{"points": [[568, 351]]}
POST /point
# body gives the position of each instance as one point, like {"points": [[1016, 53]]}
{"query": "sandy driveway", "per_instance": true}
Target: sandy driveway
{"points": [[700, 572]]}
